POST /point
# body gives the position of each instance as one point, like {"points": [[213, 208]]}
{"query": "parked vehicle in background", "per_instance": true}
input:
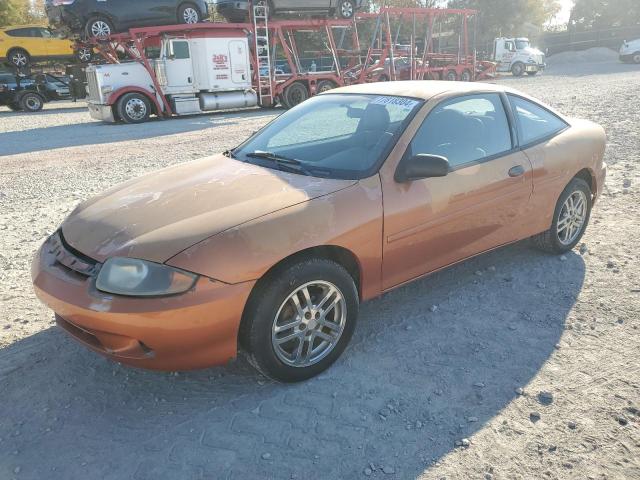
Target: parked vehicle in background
{"points": [[22, 45], [630, 51], [271, 246], [238, 10], [101, 18], [516, 55], [30, 93], [195, 72]]}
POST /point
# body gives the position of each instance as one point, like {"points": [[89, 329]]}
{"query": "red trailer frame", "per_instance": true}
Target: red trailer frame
{"points": [[359, 67]]}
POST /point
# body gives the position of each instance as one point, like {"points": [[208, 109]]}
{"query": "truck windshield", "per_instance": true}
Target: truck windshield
{"points": [[332, 135], [522, 44]]}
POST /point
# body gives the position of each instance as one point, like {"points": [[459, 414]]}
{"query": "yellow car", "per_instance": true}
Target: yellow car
{"points": [[24, 44]]}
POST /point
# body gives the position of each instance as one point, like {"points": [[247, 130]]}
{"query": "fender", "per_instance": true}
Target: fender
{"points": [[115, 96]]}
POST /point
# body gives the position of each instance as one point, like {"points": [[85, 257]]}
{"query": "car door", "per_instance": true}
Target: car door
{"points": [[29, 39], [302, 4], [56, 47], [478, 205]]}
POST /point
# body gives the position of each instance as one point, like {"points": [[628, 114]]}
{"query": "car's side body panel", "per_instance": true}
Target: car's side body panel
{"points": [[350, 218]]}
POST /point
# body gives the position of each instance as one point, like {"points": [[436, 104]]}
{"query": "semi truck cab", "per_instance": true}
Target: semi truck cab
{"points": [[516, 55], [195, 73]]}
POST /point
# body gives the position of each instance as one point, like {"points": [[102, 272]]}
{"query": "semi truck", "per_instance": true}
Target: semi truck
{"points": [[196, 71], [516, 55]]}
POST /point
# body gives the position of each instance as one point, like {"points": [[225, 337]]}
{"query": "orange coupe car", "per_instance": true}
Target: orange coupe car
{"points": [[271, 246]]}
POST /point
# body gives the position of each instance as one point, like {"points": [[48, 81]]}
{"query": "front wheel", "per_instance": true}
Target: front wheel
{"points": [[188, 13], [134, 108], [31, 102], [298, 325], [517, 70], [84, 55], [451, 76], [346, 9], [570, 219]]}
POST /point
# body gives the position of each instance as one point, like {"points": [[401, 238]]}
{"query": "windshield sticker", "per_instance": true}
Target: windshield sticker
{"points": [[402, 102]]}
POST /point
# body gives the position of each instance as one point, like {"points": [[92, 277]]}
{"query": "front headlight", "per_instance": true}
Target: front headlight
{"points": [[140, 278]]}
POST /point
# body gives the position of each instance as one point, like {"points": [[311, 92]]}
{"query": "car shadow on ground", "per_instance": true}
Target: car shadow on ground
{"points": [[430, 363], [96, 133]]}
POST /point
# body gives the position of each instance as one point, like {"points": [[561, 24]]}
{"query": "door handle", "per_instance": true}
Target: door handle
{"points": [[516, 171]]}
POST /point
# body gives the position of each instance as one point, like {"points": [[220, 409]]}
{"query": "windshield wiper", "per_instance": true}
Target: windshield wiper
{"points": [[281, 161]]}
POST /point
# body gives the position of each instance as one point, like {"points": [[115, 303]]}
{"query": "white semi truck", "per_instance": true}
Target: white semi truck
{"points": [[195, 72], [516, 55]]}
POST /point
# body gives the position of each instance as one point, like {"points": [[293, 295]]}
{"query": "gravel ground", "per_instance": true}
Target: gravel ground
{"points": [[514, 365]]}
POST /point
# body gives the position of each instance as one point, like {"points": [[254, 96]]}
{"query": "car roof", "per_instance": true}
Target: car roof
{"points": [[424, 89]]}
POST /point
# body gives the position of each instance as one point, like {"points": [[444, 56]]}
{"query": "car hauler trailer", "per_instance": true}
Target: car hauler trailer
{"points": [[216, 66]]}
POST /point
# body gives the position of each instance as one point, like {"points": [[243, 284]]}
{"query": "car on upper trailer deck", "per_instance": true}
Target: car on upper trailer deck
{"points": [[238, 10], [271, 246]]}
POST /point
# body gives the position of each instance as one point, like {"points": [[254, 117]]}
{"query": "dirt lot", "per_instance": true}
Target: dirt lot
{"points": [[431, 364]]}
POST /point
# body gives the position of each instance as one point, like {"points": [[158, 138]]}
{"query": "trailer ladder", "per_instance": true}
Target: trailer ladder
{"points": [[263, 55]]}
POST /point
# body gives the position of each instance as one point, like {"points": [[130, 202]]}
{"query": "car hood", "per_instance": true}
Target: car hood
{"points": [[158, 215]]}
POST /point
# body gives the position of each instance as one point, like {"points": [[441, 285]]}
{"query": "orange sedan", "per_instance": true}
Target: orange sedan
{"points": [[270, 247]]}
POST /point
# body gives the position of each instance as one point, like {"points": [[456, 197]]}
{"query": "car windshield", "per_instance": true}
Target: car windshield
{"points": [[333, 135], [522, 44]]}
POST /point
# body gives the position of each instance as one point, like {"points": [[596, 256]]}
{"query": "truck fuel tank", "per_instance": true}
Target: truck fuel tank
{"points": [[228, 100]]}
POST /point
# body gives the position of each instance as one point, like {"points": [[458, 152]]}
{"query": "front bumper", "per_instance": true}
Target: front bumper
{"points": [[196, 329], [101, 112]]}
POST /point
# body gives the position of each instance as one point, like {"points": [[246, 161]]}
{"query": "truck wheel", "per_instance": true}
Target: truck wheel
{"points": [[517, 69], [295, 93], [134, 108], [189, 13], [98, 27], [346, 9], [636, 58], [466, 76], [451, 76], [31, 102], [19, 57], [325, 85]]}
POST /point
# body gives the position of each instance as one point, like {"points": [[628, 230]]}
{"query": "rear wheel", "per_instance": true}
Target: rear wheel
{"points": [[31, 102], [295, 93], [84, 54], [303, 321], [346, 9], [325, 85], [134, 108], [517, 69], [451, 76], [99, 27], [19, 57], [189, 13], [570, 219]]}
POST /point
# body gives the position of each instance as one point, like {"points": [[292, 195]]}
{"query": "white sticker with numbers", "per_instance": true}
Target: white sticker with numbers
{"points": [[402, 102]]}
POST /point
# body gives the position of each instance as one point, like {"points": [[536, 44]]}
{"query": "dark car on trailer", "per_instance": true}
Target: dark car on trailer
{"points": [[101, 18], [238, 10], [31, 92]]}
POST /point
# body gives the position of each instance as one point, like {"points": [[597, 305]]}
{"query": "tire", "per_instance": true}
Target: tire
{"points": [[272, 306], [295, 93], [346, 9], [99, 27], [188, 13], [466, 76], [517, 69], [133, 108], [636, 58], [325, 85], [551, 240], [31, 102], [19, 57], [451, 76], [84, 54], [532, 74]]}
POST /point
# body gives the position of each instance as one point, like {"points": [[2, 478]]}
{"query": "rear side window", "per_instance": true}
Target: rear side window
{"points": [[464, 130], [24, 32], [534, 122]]}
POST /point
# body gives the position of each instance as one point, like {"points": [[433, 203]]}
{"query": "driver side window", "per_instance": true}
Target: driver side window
{"points": [[464, 130]]}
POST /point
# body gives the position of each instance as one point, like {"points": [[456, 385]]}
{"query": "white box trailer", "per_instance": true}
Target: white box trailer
{"points": [[196, 72]]}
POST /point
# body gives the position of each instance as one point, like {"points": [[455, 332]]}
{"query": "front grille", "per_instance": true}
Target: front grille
{"points": [[70, 258], [92, 86]]}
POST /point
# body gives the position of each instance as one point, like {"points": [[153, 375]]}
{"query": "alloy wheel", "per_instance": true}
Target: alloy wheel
{"points": [[346, 9], [136, 109], [572, 217], [19, 59], [100, 29], [190, 15], [33, 103], [84, 54], [309, 324]]}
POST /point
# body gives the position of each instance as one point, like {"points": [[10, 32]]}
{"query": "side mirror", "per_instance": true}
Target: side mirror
{"points": [[421, 166]]}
